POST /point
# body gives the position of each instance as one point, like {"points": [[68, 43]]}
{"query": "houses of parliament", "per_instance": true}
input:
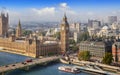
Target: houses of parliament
{"points": [[32, 45]]}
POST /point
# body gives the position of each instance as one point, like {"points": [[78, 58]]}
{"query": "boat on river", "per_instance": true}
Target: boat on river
{"points": [[69, 69]]}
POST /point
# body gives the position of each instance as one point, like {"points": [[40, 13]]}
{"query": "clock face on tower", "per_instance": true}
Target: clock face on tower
{"points": [[62, 27]]}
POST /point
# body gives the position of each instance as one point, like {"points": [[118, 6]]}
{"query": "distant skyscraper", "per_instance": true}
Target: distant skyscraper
{"points": [[64, 35], [90, 23], [78, 27], [112, 19], [94, 23]]}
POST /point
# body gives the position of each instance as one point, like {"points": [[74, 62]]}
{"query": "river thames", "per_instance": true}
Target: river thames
{"points": [[52, 69]]}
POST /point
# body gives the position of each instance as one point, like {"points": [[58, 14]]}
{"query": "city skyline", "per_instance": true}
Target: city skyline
{"points": [[50, 11], [42, 36]]}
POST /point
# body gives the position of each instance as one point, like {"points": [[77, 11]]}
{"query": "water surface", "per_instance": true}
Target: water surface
{"points": [[51, 69]]}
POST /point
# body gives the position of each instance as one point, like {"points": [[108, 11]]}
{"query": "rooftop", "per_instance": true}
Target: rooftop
{"points": [[97, 42]]}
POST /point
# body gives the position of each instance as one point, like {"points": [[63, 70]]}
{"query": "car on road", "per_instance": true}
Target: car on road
{"points": [[13, 65], [6, 66], [24, 63], [29, 60]]}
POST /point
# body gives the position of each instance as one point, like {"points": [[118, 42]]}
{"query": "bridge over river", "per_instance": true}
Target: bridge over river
{"points": [[26, 65]]}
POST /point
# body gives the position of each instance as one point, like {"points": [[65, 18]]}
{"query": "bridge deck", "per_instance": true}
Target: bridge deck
{"points": [[20, 65]]}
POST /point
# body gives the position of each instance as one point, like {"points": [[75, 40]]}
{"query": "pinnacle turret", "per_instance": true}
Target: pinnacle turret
{"points": [[19, 30], [65, 17], [19, 24]]}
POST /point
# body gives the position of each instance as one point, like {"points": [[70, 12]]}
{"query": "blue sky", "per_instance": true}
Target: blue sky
{"points": [[76, 9], [87, 4]]}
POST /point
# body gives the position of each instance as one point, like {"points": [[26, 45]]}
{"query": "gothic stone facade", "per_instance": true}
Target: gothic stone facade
{"points": [[32, 47], [64, 35], [3, 24], [19, 30], [29, 47]]}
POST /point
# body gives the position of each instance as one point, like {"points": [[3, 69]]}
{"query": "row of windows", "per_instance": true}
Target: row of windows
{"points": [[91, 45], [91, 48], [96, 53], [47, 50], [13, 45]]}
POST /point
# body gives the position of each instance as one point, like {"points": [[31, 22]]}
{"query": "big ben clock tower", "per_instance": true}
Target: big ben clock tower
{"points": [[64, 32]]}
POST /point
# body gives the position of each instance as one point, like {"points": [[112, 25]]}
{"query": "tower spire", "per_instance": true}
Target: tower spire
{"points": [[19, 23], [65, 17], [64, 35], [64, 21], [19, 30]]}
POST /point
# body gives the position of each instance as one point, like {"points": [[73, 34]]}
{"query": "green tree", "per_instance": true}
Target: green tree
{"points": [[108, 58], [74, 48], [26, 32], [84, 36], [72, 42], [43, 33], [84, 55]]}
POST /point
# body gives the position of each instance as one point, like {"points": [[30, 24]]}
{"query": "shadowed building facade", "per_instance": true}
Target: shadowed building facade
{"points": [[28, 47], [116, 51], [4, 24]]}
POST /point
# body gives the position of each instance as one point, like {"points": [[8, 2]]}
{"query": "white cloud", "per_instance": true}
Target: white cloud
{"points": [[43, 14], [64, 8], [45, 11], [54, 14], [32, 14], [64, 5], [14, 16]]}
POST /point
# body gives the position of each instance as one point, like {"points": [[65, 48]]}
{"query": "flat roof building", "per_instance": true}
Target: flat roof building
{"points": [[96, 49]]}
